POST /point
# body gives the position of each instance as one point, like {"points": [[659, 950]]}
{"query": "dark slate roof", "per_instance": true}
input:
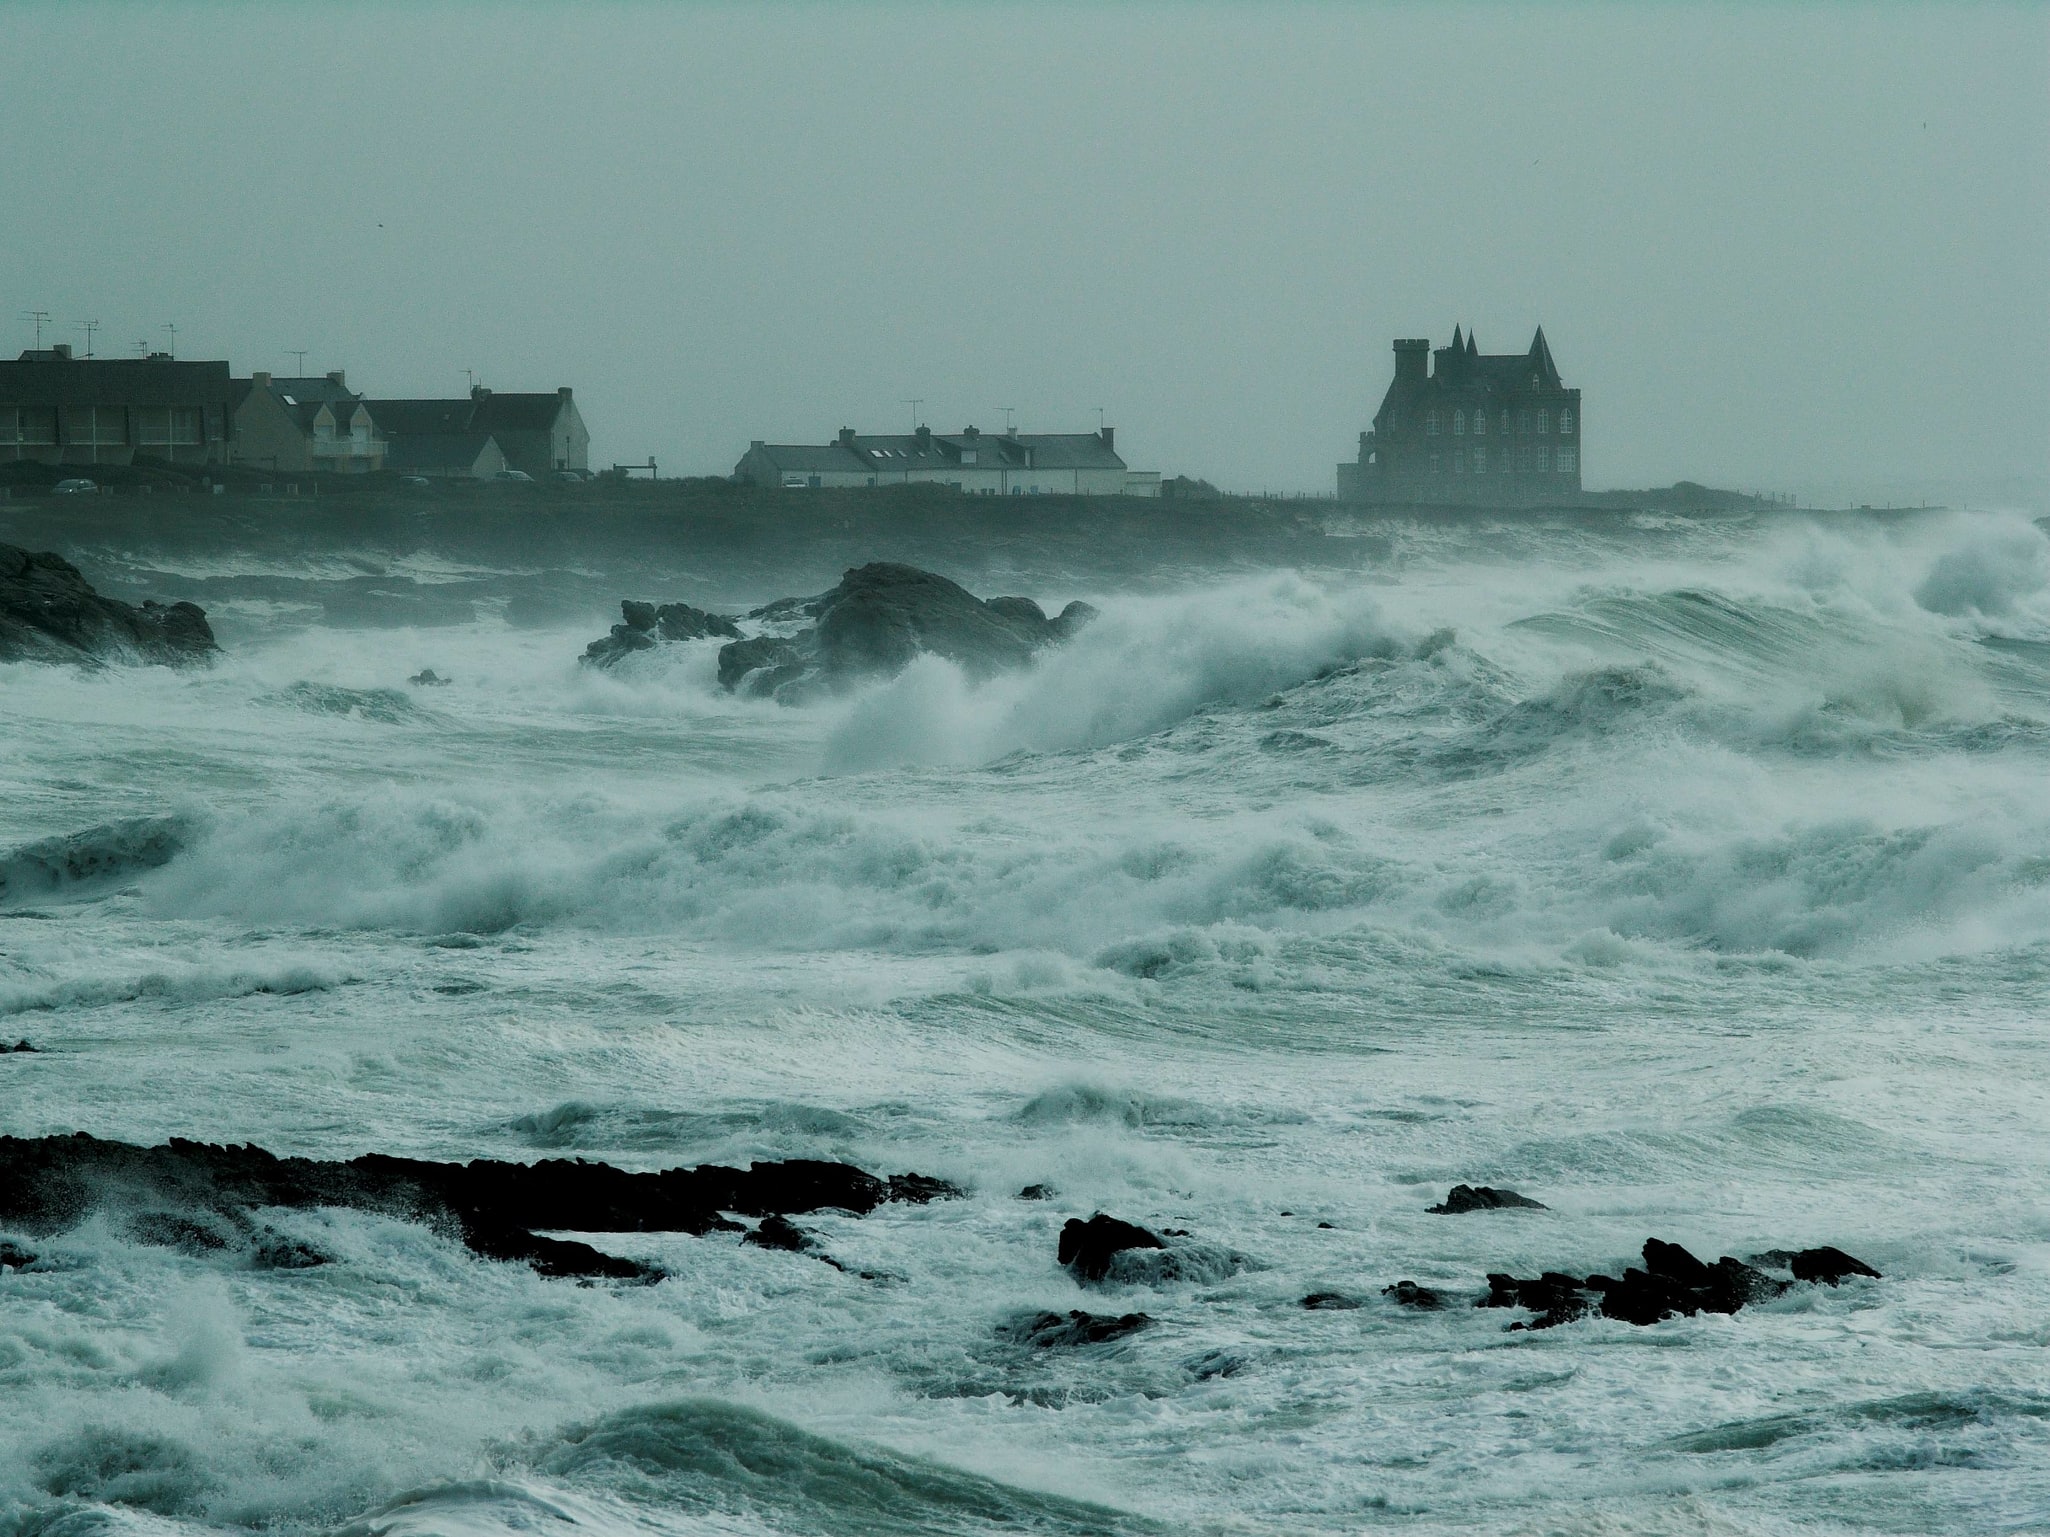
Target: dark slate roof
{"points": [[410, 418], [516, 413], [807, 459], [488, 413], [113, 382], [434, 450], [315, 389]]}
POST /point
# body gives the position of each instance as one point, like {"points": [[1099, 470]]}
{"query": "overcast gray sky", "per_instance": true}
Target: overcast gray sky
{"points": [[1790, 248]]}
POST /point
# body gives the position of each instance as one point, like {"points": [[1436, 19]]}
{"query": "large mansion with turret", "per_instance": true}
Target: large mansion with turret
{"points": [[1458, 426]]}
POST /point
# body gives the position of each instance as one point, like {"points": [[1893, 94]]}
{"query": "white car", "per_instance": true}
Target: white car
{"points": [[519, 475], [74, 487]]}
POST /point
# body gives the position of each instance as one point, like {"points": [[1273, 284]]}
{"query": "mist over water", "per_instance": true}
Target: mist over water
{"points": [[1690, 876]]}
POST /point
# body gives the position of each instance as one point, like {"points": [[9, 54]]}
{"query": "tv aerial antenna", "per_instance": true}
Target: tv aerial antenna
{"points": [[88, 326], [300, 354], [171, 346], [1009, 412], [41, 319], [915, 402]]}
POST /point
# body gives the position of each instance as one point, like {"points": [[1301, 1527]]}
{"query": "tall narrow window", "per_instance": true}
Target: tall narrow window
{"points": [[1480, 461], [1480, 424], [1566, 422], [1569, 460], [1544, 422], [1505, 421], [1459, 424], [1544, 461], [1436, 465], [1430, 424], [1459, 461]]}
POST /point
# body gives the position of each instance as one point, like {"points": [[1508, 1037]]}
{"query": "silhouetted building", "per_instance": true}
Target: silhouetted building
{"points": [[1456, 426], [535, 433], [988, 463], [305, 424], [65, 410]]}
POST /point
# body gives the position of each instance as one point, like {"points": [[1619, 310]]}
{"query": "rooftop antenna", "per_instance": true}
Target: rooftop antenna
{"points": [[915, 402], [142, 346], [88, 326], [1009, 412], [471, 375], [171, 331], [300, 354], [41, 318], [1099, 421]]}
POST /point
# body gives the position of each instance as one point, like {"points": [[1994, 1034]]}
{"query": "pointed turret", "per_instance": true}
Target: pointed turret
{"points": [[1457, 344], [1473, 347]]}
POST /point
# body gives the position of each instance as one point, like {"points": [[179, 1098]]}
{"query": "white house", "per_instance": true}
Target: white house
{"points": [[986, 463]]}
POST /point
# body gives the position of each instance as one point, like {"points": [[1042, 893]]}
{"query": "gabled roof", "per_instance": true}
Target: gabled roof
{"points": [[517, 413], [810, 459]]}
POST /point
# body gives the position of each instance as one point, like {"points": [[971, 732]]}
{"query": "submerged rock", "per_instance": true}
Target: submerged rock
{"points": [[1331, 1302], [50, 613], [427, 677], [646, 625], [877, 621], [18, 1046], [94, 855], [1051, 1331], [1410, 1295], [1465, 1198], [196, 1195], [1673, 1284], [780, 1233], [1087, 1248]]}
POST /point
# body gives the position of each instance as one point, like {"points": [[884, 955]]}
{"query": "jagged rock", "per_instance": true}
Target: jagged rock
{"points": [[14, 1257], [50, 613], [1411, 1295], [184, 1193], [274, 1251], [1673, 1283], [1466, 1198], [877, 620], [18, 1046], [1828, 1266], [922, 1189], [1036, 1193], [1086, 1248], [427, 677], [1049, 1331], [646, 625], [1331, 1302], [780, 1233]]}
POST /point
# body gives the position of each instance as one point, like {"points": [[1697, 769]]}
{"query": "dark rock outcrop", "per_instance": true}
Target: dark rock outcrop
{"points": [[647, 625], [1087, 1248], [1036, 1193], [780, 1233], [1331, 1302], [1672, 1284], [877, 620], [427, 677], [184, 1193], [1410, 1295], [18, 1046], [1466, 1198], [50, 613], [1051, 1331], [14, 1257]]}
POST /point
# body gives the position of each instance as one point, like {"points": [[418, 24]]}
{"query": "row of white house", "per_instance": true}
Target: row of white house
{"points": [[991, 464]]}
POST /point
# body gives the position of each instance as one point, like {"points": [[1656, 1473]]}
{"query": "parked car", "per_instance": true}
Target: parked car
{"points": [[572, 476], [74, 487], [414, 480], [514, 475]]}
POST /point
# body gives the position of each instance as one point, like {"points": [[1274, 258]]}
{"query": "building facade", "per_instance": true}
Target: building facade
{"points": [[65, 410], [538, 434], [985, 463], [1460, 427], [306, 424]]}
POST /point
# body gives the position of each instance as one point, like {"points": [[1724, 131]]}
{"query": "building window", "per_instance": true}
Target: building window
{"points": [[1569, 460], [1459, 461], [95, 424], [1435, 465], [1505, 421], [1544, 461], [10, 429], [1523, 423], [1480, 461], [1566, 422], [1544, 423], [1459, 424], [1480, 424], [1430, 424], [1523, 459]]}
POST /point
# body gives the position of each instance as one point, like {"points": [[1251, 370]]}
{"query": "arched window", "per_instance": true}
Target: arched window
{"points": [[1459, 424], [1566, 422], [1430, 424]]}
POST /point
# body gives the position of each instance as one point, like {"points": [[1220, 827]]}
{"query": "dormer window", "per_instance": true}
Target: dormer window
{"points": [[1459, 424]]}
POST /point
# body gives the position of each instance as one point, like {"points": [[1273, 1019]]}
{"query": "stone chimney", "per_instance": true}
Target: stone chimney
{"points": [[339, 379], [847, 437], [260, 379], [1109, 436]]}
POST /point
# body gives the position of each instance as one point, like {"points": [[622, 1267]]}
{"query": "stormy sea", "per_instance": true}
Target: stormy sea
{"points": [[1689, 876]]}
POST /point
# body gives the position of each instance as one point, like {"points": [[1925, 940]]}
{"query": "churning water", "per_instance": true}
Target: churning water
{"points": [[1692, 878]]}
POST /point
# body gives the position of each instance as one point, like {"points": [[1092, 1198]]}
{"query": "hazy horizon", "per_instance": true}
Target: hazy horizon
{"points": [[1788, 250]]}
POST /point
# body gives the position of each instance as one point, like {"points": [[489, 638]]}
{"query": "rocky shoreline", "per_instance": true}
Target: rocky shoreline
{"points": [[50, 613]]}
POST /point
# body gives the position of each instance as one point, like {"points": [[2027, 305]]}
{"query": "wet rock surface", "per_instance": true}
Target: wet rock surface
{"points": [[877, 621], [195, 1196], [1053, 1331], [50, 613], [1673, 1284], [647, 625], [1087, 1248], [1465, 1198]]}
